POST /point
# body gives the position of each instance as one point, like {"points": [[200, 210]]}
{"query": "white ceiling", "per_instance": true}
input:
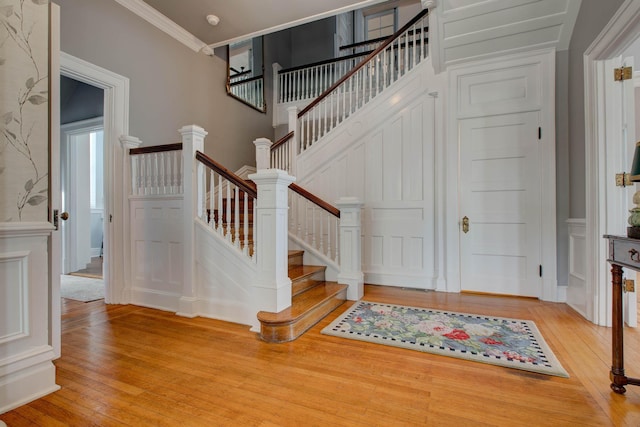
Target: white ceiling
{"points": [[239, 19]]}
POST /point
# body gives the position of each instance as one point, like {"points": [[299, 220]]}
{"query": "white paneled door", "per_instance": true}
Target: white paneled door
{"points": [[500, 182]]}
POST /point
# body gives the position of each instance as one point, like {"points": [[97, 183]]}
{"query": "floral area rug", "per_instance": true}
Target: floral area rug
{"points": [[500, 341]]}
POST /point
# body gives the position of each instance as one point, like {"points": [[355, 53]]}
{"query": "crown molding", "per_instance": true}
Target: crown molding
{"points": [[160, 21]]}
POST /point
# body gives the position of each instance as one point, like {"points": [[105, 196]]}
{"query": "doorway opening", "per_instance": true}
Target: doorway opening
{"points": [[82, 190]]}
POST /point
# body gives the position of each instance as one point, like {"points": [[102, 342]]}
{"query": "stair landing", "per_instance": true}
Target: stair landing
{"points": [[313, 299]]}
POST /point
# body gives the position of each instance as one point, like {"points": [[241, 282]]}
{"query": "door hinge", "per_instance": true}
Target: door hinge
{"points": [[629, 285], [540, 270], [622, 73], [623, 179], [539, 133], [110, 218]]}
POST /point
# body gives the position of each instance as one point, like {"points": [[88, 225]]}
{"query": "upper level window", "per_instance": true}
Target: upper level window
{"points": [[381, 24]]}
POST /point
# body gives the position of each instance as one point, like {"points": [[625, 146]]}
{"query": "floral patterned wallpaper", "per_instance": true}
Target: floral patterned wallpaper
{"points": [[24, 110]]}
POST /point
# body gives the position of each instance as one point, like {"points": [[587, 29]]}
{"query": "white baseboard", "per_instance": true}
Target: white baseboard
{"points": [[152, 298], [26, 385]]}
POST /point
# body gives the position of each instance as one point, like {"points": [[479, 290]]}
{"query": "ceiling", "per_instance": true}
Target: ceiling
{"points": [[240, 19]]}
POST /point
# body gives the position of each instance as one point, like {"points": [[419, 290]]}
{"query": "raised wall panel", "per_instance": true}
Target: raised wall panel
{"points": [[497, 91], [472, 30], [157, 251], [26, 351], [14, 301], [577, 289], [390, 167]]}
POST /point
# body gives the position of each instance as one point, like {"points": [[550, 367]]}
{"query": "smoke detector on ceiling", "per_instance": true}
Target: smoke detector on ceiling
{"points": [[213, 20]]}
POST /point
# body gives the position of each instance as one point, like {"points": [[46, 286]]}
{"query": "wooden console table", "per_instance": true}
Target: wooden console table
{"points": [[623, 252]]}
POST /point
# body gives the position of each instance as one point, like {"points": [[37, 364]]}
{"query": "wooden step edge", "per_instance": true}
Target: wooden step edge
{"points": [[285, 326], [302, 272], [295, 257]]}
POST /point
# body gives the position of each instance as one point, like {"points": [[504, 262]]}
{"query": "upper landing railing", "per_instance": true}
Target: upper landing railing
{"points": [[389, 62]]}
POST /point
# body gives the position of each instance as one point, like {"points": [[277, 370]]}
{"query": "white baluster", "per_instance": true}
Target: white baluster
{"points": [[220, 206], [236, 217], [321, 248], [212, 199], [245, 239], [329, 236], [227, 217]]}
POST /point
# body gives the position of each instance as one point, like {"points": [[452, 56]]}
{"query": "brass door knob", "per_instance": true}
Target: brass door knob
{"points": [[465, 224], [64, 216]]}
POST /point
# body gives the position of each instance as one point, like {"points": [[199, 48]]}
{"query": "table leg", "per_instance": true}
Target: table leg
{"points": [[618, 378]]}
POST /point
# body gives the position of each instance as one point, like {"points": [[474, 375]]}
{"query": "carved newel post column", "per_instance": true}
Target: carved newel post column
{"points": [[192, 141], [272, 290]]}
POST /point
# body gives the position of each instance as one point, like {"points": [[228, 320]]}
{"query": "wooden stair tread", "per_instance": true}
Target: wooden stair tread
{"points": [[303, 303], [302, 271]]}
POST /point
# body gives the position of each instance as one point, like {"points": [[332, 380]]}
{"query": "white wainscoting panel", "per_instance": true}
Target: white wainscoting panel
{"points": [[14, 288], [577, 292], [385, 156], [156, 251], [224, 279], [26, 371]]}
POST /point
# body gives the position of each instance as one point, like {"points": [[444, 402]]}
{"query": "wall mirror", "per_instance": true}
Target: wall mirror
{"points": [[245, 73]]}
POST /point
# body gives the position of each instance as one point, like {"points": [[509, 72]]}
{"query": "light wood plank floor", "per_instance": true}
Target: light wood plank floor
{"points": [[132, 366]]}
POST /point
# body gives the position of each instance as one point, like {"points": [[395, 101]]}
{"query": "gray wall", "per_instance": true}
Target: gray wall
{"points": [[170, 85], [593, 16]]}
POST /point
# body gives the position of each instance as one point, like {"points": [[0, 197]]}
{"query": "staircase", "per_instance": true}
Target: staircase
{"points": [[313, 298]]}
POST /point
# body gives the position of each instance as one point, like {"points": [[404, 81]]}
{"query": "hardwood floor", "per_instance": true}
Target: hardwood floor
{"points": [[133, 366]]}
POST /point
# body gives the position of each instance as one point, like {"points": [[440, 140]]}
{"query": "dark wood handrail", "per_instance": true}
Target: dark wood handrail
{"points": [[245, 80], [325, 62], [282, 140], [247, 187], [315, 199], [364, 43], [355, 69], [156, 149]]}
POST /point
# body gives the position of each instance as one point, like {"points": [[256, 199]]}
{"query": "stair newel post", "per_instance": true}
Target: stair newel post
{"points": [[272, 290], [351, 247], [263, 153], [295, 140], [192, 141]]}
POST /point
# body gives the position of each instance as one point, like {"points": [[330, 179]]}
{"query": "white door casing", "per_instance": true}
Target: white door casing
{"points": [[619, 149], [514, 84], [500, 189], [620, 33], [116, 181]]}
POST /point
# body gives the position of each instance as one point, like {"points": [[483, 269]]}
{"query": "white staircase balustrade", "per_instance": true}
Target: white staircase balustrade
{"points": [[309, 81], [315, 225], [249, 91], [226, 205], [158, 172], [392, 60]]}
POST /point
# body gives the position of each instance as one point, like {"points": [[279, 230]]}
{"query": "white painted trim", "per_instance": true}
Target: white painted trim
{"points": [[116, 123], [83, 125], [619, 34], [161, 22], [13, 229]]}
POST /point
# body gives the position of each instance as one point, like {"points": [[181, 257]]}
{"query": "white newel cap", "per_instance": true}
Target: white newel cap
{"points": [[272, 176], [129, 141], [263, 153], [349, 202], [429, 4], [193, 129]]}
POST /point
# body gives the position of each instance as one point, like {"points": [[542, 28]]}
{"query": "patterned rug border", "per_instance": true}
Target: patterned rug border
{"points": [[556, 369]]}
